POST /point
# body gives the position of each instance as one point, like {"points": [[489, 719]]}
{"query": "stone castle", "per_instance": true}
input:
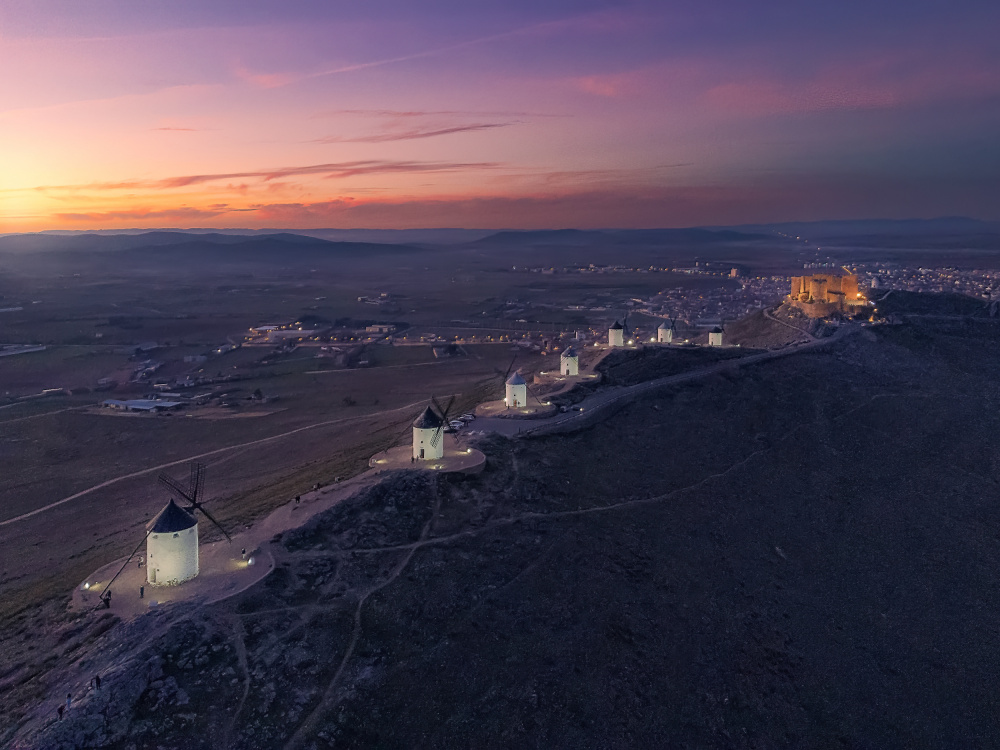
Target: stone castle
{"points": [[825, 294]]}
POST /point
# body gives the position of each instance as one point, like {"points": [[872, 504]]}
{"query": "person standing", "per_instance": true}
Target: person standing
{"points": [[97, 683], [69, 701]]}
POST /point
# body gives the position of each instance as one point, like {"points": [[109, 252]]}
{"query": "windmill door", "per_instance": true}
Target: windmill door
{"points": [[421, 452]]}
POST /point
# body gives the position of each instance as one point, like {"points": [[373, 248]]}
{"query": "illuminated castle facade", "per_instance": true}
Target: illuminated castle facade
{"points": [[825, 294]]}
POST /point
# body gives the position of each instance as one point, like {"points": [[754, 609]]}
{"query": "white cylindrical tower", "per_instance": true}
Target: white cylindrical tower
{"points": [[517, 392], [715, 337], [616, 335], [428, 436], [172, 547], [569, 362], [664, 334]]}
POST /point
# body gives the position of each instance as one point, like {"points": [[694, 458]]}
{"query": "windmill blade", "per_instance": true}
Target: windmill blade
{"points": [[528, 389], [509, 367], [217, 524], [175, 488], [125, 564], [625, 324], [406, 430], [437, 407], [197, 480], [447, 410]]}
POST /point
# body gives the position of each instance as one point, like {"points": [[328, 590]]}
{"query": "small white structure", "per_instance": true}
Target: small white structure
{"points": [[517, 392], [616, 335], [569, 362], [428, 437], [171, 547], [664, 334], [715, 337]]}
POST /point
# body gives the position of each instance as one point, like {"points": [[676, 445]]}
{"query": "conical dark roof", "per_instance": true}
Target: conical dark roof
{"points": [[429, 420], [664, 326], [515, 379], [617, 327], [570, 352], [171, 519], [716, 330]]}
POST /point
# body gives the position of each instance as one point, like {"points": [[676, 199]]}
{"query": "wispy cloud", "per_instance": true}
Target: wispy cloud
{"points": [[336, 170], [178, 130], [411, 135], [182, 213], [590, 22], [406, 113]]}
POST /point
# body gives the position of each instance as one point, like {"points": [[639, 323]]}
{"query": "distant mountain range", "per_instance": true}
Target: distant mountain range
{"points": [[215, 243], [691, 236], [949, 225], [369, 241]]}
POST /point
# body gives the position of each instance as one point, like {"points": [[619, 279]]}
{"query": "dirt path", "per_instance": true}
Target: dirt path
{"points": [[196, 457], [329, 698]]}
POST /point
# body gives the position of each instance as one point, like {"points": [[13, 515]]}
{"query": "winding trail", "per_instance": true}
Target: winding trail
{"points": [[206, 454], [329, 698]]}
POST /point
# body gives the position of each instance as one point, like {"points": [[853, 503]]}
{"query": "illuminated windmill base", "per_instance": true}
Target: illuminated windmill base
{"points": [[428, 437], [664, 334], [172, 547], [569, 363], [516, 392], [616, 335]]}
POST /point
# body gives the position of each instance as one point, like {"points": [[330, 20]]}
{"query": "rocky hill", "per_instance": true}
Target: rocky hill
{"points": [[801, 553]]}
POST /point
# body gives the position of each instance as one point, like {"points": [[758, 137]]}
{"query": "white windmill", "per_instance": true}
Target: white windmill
{"points": [[172, 537], [428, 444], [665, 332], [715, 336], [616, 335], [569, 362], [517, 392]]}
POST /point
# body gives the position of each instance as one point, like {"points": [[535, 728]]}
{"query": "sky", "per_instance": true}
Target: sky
{"points": [[515, 114]]}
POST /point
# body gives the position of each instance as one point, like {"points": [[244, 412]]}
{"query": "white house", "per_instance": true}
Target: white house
{"points": [[428, 437], [569, 362], [715, 337], [616, 335], [171, 547], [517, 392], [664, 334]]}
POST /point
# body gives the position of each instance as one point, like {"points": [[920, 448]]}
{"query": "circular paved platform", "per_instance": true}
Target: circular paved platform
{"points": [[533, 410], [457, 458]]}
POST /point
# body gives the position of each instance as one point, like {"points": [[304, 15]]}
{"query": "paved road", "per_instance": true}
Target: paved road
{"points": [[608, 396]]}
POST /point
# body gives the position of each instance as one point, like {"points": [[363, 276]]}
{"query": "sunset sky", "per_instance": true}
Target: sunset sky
{"points": [[432, 113]]}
